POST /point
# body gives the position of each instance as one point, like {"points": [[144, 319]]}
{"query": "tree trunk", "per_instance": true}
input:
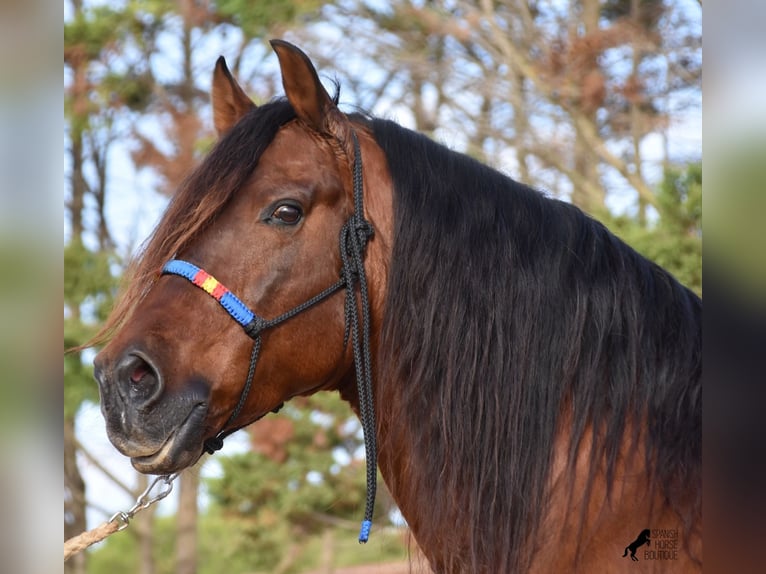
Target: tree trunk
{"points": [[144, 531], [74, 499], [636, 128], [521, 126], [98, 157], [327, 557], [585, 160], [74, 486], [186, 522], [290, 553], [79, 92]]}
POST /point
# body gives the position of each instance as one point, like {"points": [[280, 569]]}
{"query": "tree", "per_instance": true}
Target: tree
{"points": [[177, 101], [565, 95], [303, 476], [673, 239], [87, 278], [112, 84]]}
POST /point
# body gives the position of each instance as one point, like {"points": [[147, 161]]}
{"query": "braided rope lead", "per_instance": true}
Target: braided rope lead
{"points": [[358, 237], [82, 541], [120, 520]]}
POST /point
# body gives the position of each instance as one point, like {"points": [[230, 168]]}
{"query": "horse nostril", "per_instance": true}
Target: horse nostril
{"points": [[139, 378], [141, 370]]}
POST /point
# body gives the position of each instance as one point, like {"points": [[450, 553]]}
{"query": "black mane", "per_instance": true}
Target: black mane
{"points": [[505, 308]]}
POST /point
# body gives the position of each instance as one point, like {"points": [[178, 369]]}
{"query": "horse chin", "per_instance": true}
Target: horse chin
{"points": [[181, 449], [164, 462]]}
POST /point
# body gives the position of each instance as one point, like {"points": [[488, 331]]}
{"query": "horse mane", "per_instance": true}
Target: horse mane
{"points": [[505, 309], [203, 195]]}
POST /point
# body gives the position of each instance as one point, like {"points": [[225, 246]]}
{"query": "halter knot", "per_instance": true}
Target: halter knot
{"points": [[364, 230], [213, 444], [254, 327]]}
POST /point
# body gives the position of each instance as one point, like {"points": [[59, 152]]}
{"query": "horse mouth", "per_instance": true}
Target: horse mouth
{"points": [[181, 449]]}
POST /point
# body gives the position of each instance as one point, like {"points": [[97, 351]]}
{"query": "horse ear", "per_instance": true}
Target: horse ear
{"points": [[309, 99], [230, 102]]}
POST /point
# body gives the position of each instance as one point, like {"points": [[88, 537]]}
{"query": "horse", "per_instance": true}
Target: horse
{"points": [[528, 384], [644, 538]]}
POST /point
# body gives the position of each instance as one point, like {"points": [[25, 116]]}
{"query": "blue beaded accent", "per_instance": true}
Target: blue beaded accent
{"points": [[364, 532], [233, 306]]}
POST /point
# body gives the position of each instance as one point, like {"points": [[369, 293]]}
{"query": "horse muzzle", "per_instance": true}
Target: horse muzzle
{"points": [[160, 431]]}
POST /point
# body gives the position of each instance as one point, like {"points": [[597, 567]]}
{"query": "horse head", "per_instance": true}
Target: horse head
{"points": [[259, 219]]}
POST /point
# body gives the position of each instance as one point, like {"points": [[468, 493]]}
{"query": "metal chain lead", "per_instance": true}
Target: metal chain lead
{"points": [[143, 501]]}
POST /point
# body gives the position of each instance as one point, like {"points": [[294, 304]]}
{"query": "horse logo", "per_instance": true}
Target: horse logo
{"points": [[643, 538]]}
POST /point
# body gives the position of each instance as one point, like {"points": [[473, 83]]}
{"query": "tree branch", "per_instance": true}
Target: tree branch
{"points": [[588, 131], [509, 51], [556, 160], [94, 461]]}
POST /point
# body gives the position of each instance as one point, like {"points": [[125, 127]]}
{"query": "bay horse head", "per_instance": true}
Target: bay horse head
{"points": [[519, 367], [272, 229]]}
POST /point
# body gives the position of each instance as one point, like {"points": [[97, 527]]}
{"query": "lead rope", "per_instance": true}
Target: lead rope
{"points": [[119, 520], [355, 234]]}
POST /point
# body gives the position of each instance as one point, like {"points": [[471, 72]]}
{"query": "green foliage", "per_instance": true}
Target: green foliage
{"points": [[674, 240], [117, 555], [79, 385], [93, 30], [224, 547], [97, 28], [276, 501], [88, 277], [256, 18], [88, 294], [219, 539], [133, 90]]}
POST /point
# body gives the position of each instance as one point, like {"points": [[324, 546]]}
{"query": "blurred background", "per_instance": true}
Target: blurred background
{"points": [[595, 102]]}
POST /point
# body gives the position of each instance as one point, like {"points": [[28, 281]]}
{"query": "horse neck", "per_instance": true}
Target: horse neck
{"points": [[401, 470]]}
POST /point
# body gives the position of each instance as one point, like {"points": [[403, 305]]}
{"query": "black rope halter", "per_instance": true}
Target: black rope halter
{"points": [[354, 236]]}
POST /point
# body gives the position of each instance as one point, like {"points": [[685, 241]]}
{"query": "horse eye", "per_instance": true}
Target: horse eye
{"points": [[287, 213]]}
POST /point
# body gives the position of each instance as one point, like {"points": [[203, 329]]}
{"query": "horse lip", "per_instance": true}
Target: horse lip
{"points": [[179, 449]]}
